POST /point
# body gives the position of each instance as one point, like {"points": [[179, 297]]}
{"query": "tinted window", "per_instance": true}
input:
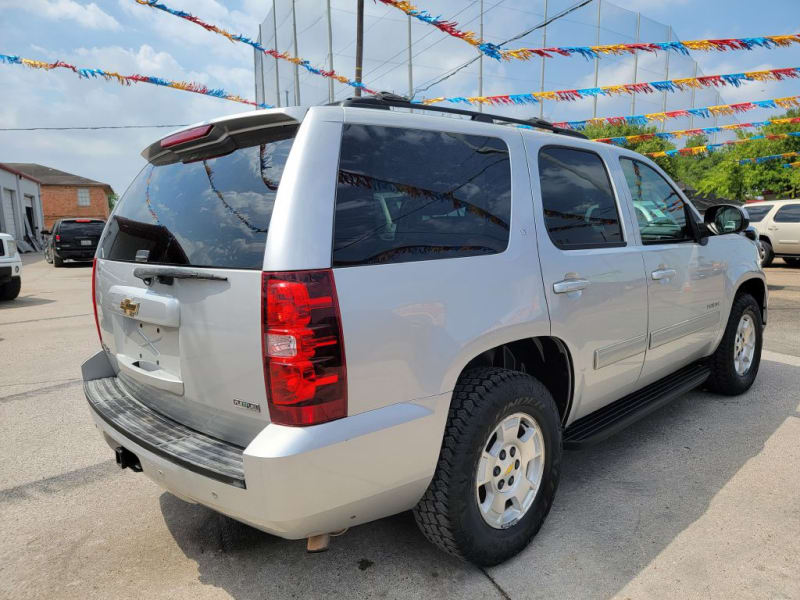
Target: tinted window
{"points": [[788, 214], [407, 195], [660, 212], [579, 206], [77, 229], [757, 213], [210, 213]]}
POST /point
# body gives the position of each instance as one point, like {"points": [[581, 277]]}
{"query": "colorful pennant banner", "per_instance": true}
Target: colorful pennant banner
{"points": [[668, 85], [707, 148], [762, 159], [237, 37], [187, 86], [495, 51], [704, 112], [793, 165], [668, 135]]}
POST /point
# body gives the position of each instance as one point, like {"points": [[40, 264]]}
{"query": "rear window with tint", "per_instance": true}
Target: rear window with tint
{"points": [[757, 213], [76, 228], [409, 195], [210, 213]]}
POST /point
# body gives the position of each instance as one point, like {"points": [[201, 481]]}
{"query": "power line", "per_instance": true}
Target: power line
{"points": [[426, 86], [91, 127]]}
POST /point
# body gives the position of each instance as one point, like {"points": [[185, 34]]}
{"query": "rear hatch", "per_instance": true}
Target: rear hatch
{"points": [[178, 275], [79, 235]]}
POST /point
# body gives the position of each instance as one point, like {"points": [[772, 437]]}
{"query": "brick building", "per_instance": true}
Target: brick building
{"points": [[67, 195]]}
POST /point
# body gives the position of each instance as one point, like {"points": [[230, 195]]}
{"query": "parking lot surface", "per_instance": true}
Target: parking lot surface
{"points": [[701, 499]]}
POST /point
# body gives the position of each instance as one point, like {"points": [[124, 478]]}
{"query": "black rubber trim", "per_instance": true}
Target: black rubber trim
{"points": [[159, 443], [614, 417]]}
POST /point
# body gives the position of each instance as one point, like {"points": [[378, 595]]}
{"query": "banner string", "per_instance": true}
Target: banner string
{"points": [[667, 135], [792, 165], [762, 159], [451, 28], [237, 37], [668, 85], [84, 73], [704, 112], [708, 148]]}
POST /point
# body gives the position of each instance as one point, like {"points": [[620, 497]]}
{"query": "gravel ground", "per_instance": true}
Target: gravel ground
{"points": [[699, 500]]}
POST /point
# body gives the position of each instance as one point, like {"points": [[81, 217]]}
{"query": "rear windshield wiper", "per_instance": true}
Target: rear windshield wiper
{"points": [[167, 276]]}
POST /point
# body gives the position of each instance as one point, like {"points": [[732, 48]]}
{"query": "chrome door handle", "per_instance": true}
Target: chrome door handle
{"points": [[663, 274], [570, 285]]}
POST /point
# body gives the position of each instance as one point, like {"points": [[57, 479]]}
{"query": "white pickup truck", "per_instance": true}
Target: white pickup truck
{"points": [[10, 268]]}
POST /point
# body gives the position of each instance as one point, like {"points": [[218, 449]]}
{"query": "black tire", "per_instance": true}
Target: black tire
{"points": [[769, 254], [448, 513], [792, 262], [10, 290], [57, 260], [724, 379]]}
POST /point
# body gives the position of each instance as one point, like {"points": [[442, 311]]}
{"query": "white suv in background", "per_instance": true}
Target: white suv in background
{"points": [[311, 318], [10, 268], [778, 226]]}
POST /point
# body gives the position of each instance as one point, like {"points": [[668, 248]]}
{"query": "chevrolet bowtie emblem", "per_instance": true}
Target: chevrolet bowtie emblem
{"points": [[129, 307]]}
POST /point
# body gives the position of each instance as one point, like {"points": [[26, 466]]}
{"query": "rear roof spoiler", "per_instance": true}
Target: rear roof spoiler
{"points": [[226, 135]]}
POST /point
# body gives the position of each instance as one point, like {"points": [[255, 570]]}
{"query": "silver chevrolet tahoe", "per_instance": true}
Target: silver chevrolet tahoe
{"points": [[311, 318]]}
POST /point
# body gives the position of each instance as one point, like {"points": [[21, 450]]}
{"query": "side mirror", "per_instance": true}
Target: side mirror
{"points": [[726, 218]]}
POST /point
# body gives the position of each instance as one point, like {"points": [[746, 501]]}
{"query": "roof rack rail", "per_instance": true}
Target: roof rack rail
{"points": [[386, 100]]}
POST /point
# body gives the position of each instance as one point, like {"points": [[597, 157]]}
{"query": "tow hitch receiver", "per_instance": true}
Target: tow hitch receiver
{"points": [[127, 459]]}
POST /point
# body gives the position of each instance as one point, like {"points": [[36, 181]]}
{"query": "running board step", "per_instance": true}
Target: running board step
{"points": [[610, 419]]}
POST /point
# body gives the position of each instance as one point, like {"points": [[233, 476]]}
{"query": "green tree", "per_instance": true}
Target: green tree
{"points": [[730, 179]]}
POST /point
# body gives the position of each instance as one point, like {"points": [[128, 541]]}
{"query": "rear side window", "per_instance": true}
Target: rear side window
{"points": [[409, 195], [660, 211], [580, 210], [81, 228], [788, 214], [757, 213], [210, 213]]}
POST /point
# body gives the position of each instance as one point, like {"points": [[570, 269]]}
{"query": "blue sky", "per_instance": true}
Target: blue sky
{"points": [[123, 36]]}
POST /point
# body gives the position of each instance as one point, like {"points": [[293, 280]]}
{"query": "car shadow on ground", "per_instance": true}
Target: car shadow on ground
{"points": [[21, 301], [620, 503]]}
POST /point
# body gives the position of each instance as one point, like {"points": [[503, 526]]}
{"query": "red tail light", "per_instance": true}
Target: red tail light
{"points": [[186, 136], [94, 299], [58, 238], [304, 362]]}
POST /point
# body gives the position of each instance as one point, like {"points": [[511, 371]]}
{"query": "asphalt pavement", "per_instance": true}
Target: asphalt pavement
{"points": [[699, 500]]}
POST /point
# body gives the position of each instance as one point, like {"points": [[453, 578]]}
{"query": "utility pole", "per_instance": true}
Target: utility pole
{"points": [[275, 45], [544, 44], [410, 68], [359, 42], [636, 61], [480, 63], [330, 53], [296, 53], [666, 76], [597, 60]]}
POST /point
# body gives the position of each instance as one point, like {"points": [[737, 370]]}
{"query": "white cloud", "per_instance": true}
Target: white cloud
{"points": [[88, 15]]}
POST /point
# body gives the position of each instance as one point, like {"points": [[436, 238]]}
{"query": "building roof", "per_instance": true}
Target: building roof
{"points": [[10, 169], [50, 176]]}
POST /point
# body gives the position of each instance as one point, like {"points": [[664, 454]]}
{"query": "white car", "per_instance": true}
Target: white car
{"points": [[312, 318], [778, 226], [10, 268]]}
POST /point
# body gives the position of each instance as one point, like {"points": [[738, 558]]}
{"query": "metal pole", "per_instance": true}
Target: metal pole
{"points": [[410, 68], [597, 60], [275, 45], [544, 44], [636, 61], [666, 76], [480, 63], [296, 53], [330, 53], [691, 116], [359, 42], [287, 96]]}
